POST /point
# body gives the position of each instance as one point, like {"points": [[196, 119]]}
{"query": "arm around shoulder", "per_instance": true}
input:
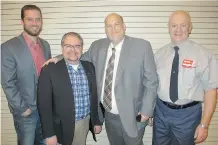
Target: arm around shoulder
{"points": [[97, 110]]}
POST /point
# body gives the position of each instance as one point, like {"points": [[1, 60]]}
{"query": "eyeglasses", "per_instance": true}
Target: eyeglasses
{"points": [[68, 46], [33, 20]]}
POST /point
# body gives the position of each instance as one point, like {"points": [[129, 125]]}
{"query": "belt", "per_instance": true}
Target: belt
{"points": [[174, 106]]}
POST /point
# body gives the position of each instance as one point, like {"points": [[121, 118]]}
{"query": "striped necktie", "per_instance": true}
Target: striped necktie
{"points": [[107, 100]]}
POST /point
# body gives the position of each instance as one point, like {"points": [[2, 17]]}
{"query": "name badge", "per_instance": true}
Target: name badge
{"points": [[188, 63]]}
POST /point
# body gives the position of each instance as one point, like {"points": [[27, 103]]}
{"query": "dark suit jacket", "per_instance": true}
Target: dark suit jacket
{"points": [[56, 103]]}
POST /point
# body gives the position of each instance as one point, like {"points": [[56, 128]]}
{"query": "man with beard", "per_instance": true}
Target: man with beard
{"points": [[21, 60]]}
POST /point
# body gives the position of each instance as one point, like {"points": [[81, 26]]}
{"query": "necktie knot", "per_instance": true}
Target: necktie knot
{"points": [[113, 50], [176, 48]]}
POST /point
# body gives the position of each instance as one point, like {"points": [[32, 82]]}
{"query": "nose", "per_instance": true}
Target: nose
{"points": [[34, 22], [113, 29], [179, 29], [72, 49]]}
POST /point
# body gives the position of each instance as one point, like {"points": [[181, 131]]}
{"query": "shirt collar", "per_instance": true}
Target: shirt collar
{"points": [[29, 42], [71, 65], [181, 45], [118, 46]]}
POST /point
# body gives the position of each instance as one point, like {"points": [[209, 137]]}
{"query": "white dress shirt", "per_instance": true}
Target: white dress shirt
{"points": [[118, 48]]}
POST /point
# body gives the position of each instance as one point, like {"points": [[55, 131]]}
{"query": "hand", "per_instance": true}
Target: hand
{"points": [[97, 129], [143, 117], [200, 134], [54, 60], [27, 112], [51, 140], [150, 121]]}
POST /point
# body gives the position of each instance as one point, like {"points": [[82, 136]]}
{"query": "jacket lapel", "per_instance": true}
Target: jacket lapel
{"points": [[102, 58], [124, 55], [29, 55], [88, 73], [65, 80], [44, 49]]}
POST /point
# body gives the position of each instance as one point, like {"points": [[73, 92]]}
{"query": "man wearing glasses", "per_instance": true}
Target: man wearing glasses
{"points": [[67, 96]]}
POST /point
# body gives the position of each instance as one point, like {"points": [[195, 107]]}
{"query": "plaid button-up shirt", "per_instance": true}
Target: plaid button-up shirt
{"points": [[80, 89]]}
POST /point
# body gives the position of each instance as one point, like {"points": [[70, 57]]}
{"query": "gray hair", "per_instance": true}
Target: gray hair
{"points": [[72, 34]]}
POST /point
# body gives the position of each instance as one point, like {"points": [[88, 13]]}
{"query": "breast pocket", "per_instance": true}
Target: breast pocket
{"points": [[164, 78], [188, 77]]}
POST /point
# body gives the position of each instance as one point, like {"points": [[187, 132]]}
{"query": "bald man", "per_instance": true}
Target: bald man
{"points": [[126, 81], [183, 86]]}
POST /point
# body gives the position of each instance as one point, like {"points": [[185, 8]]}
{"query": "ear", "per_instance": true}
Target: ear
{"points": [[124, 26], [21, 21], [190, 28]]}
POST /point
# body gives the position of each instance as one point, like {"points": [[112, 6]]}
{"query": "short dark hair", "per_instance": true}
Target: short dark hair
{"points": [[72, 34], [29, 7]]}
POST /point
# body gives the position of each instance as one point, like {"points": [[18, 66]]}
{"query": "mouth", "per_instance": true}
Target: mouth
{"points": [[178, 34]]}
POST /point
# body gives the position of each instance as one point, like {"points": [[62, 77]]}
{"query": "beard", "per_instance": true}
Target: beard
{"points": [[32, 32]]}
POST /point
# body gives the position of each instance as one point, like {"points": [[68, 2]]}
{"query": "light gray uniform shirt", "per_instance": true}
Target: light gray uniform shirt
{"points": [[197, 71]]}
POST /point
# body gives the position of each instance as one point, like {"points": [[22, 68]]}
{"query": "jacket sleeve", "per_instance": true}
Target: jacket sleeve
{"points": [[87, 56], [97, 110], [150, 82], [49, 51], [9, 81], [44, 102]]}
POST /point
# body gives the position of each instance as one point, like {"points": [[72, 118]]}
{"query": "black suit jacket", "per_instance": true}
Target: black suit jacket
{"points": [[56, 104]]}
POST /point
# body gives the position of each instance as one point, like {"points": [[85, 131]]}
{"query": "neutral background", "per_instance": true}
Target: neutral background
{"points": [[145, 19]]}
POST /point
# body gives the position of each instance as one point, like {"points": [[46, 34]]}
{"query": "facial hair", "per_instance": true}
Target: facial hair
{"points": [[28, 31]]}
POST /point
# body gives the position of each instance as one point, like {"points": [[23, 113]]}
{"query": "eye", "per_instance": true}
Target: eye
{"points": [[38, 19], [29, 19], [67, 46], [184, 25], [78, 46], [108, 26]]}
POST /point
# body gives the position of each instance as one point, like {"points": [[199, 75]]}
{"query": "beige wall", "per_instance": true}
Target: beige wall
{"points": [[145, 19]]}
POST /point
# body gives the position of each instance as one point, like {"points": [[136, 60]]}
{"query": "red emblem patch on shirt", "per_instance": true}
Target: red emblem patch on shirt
{"points": [[188, 63]]}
